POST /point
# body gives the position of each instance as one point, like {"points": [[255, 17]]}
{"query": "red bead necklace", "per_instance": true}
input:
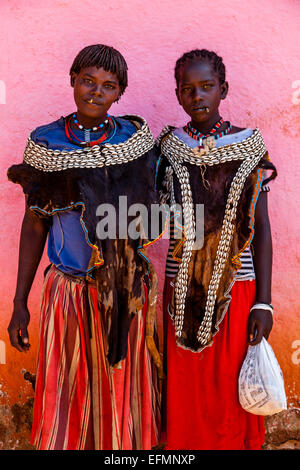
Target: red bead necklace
{"points": [[197, 135]]}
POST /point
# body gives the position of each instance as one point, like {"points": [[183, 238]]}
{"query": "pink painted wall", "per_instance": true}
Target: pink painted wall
{"points": [[259, 41]]}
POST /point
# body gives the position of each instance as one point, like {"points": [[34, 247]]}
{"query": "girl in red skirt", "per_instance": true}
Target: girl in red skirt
{"points": [[96, 384], [210, 288]]}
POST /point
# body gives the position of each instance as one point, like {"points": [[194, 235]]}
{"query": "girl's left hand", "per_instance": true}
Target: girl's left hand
{"points": [[260, 324]]}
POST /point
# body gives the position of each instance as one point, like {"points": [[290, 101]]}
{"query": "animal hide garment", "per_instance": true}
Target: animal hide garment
{"points": [[202, 292], [121, 271]]}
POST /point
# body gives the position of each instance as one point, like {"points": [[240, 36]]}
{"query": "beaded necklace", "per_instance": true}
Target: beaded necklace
{"points": [[96, 128], [197, 135], [106, 137]]}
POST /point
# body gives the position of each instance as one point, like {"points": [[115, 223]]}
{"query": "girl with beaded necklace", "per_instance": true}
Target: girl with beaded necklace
{"points": [[96, 384], [219, 295]]}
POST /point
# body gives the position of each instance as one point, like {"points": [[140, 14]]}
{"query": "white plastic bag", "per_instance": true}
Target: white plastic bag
{"points": [[261, 386]]}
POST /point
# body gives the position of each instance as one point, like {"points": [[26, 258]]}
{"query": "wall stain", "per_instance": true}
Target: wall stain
{"points": [[22, 415], [16, 420]]}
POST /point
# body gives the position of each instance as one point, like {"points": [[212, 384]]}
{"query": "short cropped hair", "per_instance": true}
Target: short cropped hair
{"points": [[99, 55], [201, 55]]}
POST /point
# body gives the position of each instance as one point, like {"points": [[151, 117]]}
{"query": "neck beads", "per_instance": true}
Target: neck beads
{"points": [[108, 129], [197, 135]]}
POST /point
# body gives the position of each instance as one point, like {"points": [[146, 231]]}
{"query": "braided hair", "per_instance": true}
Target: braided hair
{"points": [[201, 55], [103, 56]]}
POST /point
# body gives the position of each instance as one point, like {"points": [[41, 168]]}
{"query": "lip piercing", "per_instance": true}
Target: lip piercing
{"points": [[90, 101], [207, 110]]}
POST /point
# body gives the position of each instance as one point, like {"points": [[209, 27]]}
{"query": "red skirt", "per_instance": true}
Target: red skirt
{"points": [[80, 401], [202, 409]]}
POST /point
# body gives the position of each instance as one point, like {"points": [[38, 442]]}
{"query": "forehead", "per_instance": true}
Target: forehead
{"points": [[99, 73], [200, 71]]}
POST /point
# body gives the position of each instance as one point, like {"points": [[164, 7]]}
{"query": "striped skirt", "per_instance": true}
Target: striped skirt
{"points": [[81, 402]]}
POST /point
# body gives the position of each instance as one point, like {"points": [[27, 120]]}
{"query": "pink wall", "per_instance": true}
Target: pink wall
{"points": [[259, 41]]}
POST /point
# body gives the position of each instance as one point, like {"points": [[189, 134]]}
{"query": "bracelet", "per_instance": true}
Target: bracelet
{"points": [[268, 307]]}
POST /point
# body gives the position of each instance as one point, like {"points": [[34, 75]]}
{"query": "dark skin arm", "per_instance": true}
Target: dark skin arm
{"points": [[261, 321], [32, 242]]}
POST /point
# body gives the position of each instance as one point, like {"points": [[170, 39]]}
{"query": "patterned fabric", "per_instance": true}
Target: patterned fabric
{"points": [[81, 402]]}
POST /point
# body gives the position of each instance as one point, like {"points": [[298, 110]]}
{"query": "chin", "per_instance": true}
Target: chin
{"points": [[202, 118], [92, 113]]}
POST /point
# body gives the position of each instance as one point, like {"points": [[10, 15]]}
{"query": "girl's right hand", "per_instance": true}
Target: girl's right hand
{"points": [[32, 242], [17, 328]]}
